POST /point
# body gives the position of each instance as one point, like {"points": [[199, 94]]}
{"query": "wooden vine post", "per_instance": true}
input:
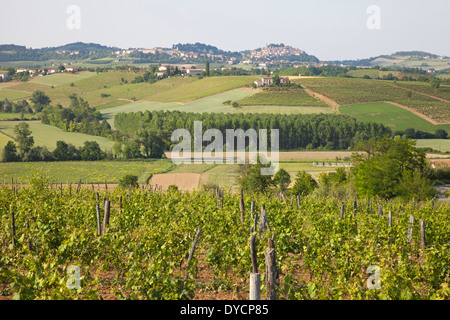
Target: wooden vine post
{"points": [[410, 229], [390, 219], [191, 253], [13, 229], [255, 277], [422, 234], [99, 222], [120, 205], [272, 276], [241, 206], [342, 210], [252, 208], [106, 216]]}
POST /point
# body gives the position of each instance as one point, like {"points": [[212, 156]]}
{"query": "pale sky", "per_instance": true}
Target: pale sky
{"points": [[328, 29]]}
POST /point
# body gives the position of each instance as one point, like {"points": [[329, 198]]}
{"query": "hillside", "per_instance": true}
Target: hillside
{"points": [[408, 59]]}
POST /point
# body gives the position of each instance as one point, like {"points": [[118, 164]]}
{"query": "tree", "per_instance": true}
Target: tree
{"points": [[276, 80], [207, 68], [251, 179], [9, 153], [304, 184], [91, 151], [152, 143], [282, 178], [441, 134], [131, 150], [60, 153], [40, 100], [129, 180], [23, 137], [378, 170], [414, 185]]}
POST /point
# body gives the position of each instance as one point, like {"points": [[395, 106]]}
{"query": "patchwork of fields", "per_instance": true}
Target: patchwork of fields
{"points": [[112, 92]]}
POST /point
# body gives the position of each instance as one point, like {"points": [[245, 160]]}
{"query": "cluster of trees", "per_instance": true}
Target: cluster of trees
{"points": [[303, 131], [144, 144], [412, 133], [386, 167], [23, 149], [78, 117], [21, 106]]}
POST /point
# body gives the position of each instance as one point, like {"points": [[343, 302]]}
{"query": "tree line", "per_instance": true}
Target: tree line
{"points": [[296, 132]]}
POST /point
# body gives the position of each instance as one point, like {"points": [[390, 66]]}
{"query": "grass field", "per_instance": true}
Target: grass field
{"points": [[8, 93], [10, 116], [442, 145], [87, 171], [4, 140], [281, 98], [46, 135], [60, 79], [390, 115]]}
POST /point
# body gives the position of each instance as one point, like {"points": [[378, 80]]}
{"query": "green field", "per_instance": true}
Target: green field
{"points": [[7, 93], [11, 116], [442, 145], [87, 171], [46, 135], [60, 79], [281, 98], [4, 140], [390, 115]]}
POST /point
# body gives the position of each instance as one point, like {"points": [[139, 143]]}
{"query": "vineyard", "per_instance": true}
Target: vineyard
{"points": [[139, 244], [282, 98], [347, 91]]}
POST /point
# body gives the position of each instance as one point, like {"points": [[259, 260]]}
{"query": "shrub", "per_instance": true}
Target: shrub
{"points": [[129, 180]]}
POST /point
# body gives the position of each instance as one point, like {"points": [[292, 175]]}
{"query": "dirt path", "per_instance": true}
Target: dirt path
{"points": [[414, 112], [330, 102], [442, 189]]}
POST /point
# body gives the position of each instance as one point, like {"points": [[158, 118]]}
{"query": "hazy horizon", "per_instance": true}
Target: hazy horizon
{"points": [[327, 29]]}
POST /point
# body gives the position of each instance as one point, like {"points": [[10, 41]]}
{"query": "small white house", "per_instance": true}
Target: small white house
{"points": [[71, 69], [4, 76], [194, 72]]}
